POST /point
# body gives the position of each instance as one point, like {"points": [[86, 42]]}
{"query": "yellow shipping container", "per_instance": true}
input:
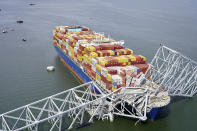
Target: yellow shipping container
{"points": [[79, 58], [91, 48], [101, 53], [85, 57], [103, 62], [98, 77], [144, 58], [109, 77], [85, 42], [117, 54], [98, 68], [71, 39], [132, 58], [113, 89], [129, 50], [55, 41], [67, 34], [111, 52], [122, 59], [83, 52], [119, 59], [59, 45], [93, 55], [89, 61], [124, 64], [59, 35], [70, 48], [57, 29], [72, 54], [56, 37]]}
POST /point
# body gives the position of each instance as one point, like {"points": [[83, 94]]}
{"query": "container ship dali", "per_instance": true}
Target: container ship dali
{"points": [[92, 56]]}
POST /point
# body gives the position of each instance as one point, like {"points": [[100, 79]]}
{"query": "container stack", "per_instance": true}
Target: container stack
{"points": [[105, 60]]}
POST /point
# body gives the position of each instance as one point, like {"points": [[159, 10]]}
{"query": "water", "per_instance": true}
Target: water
{"points": [[142, 24]]}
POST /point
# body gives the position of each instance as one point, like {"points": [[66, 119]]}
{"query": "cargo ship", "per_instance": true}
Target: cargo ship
{"points": [[92, 56]]}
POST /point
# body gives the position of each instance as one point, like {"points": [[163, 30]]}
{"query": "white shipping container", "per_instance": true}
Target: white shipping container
{"points": [[117, 79], [120, 81], [62, 29], [77, 44], [104, 72], [67, 46], [75, 49], [93, 67], [133, 69], [75, 59], [60, 41], [94, 61]]}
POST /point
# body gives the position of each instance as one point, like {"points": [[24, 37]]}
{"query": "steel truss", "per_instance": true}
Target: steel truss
{"points": [[71, 108], [131, 102], [173, 72]]}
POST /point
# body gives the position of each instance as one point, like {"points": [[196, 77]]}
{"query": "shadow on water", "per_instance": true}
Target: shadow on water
{"points": [[175, 99], [59, 64], [61, 68], [65, 72], [163, 113]]}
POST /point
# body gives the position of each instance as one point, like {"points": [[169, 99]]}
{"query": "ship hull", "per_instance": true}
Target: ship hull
{"points": [[75, 69], [83, 77]]}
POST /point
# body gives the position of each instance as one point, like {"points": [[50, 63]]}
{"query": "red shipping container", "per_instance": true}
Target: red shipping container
{"points": [[112, 71], [97, 47], [93, 74], [81, 47], [108, 86], [116, 46], [84, 29], [63, 47], [66, 51], [138, 58], [128, 51], [55, 42], [106, 47], [79, 52], [130, 74], [75, 54], [143, 67], [77, 38]]}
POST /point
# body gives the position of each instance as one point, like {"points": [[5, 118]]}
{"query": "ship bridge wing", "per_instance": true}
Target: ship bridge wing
{"points": [[173, 72]]}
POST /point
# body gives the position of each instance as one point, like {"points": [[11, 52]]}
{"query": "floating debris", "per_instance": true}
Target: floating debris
{"points": [[32, 4], [83, 125], [0, 9], [50, 68], [19, 21], [24, 39], [4, 31], [11, 29]]}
